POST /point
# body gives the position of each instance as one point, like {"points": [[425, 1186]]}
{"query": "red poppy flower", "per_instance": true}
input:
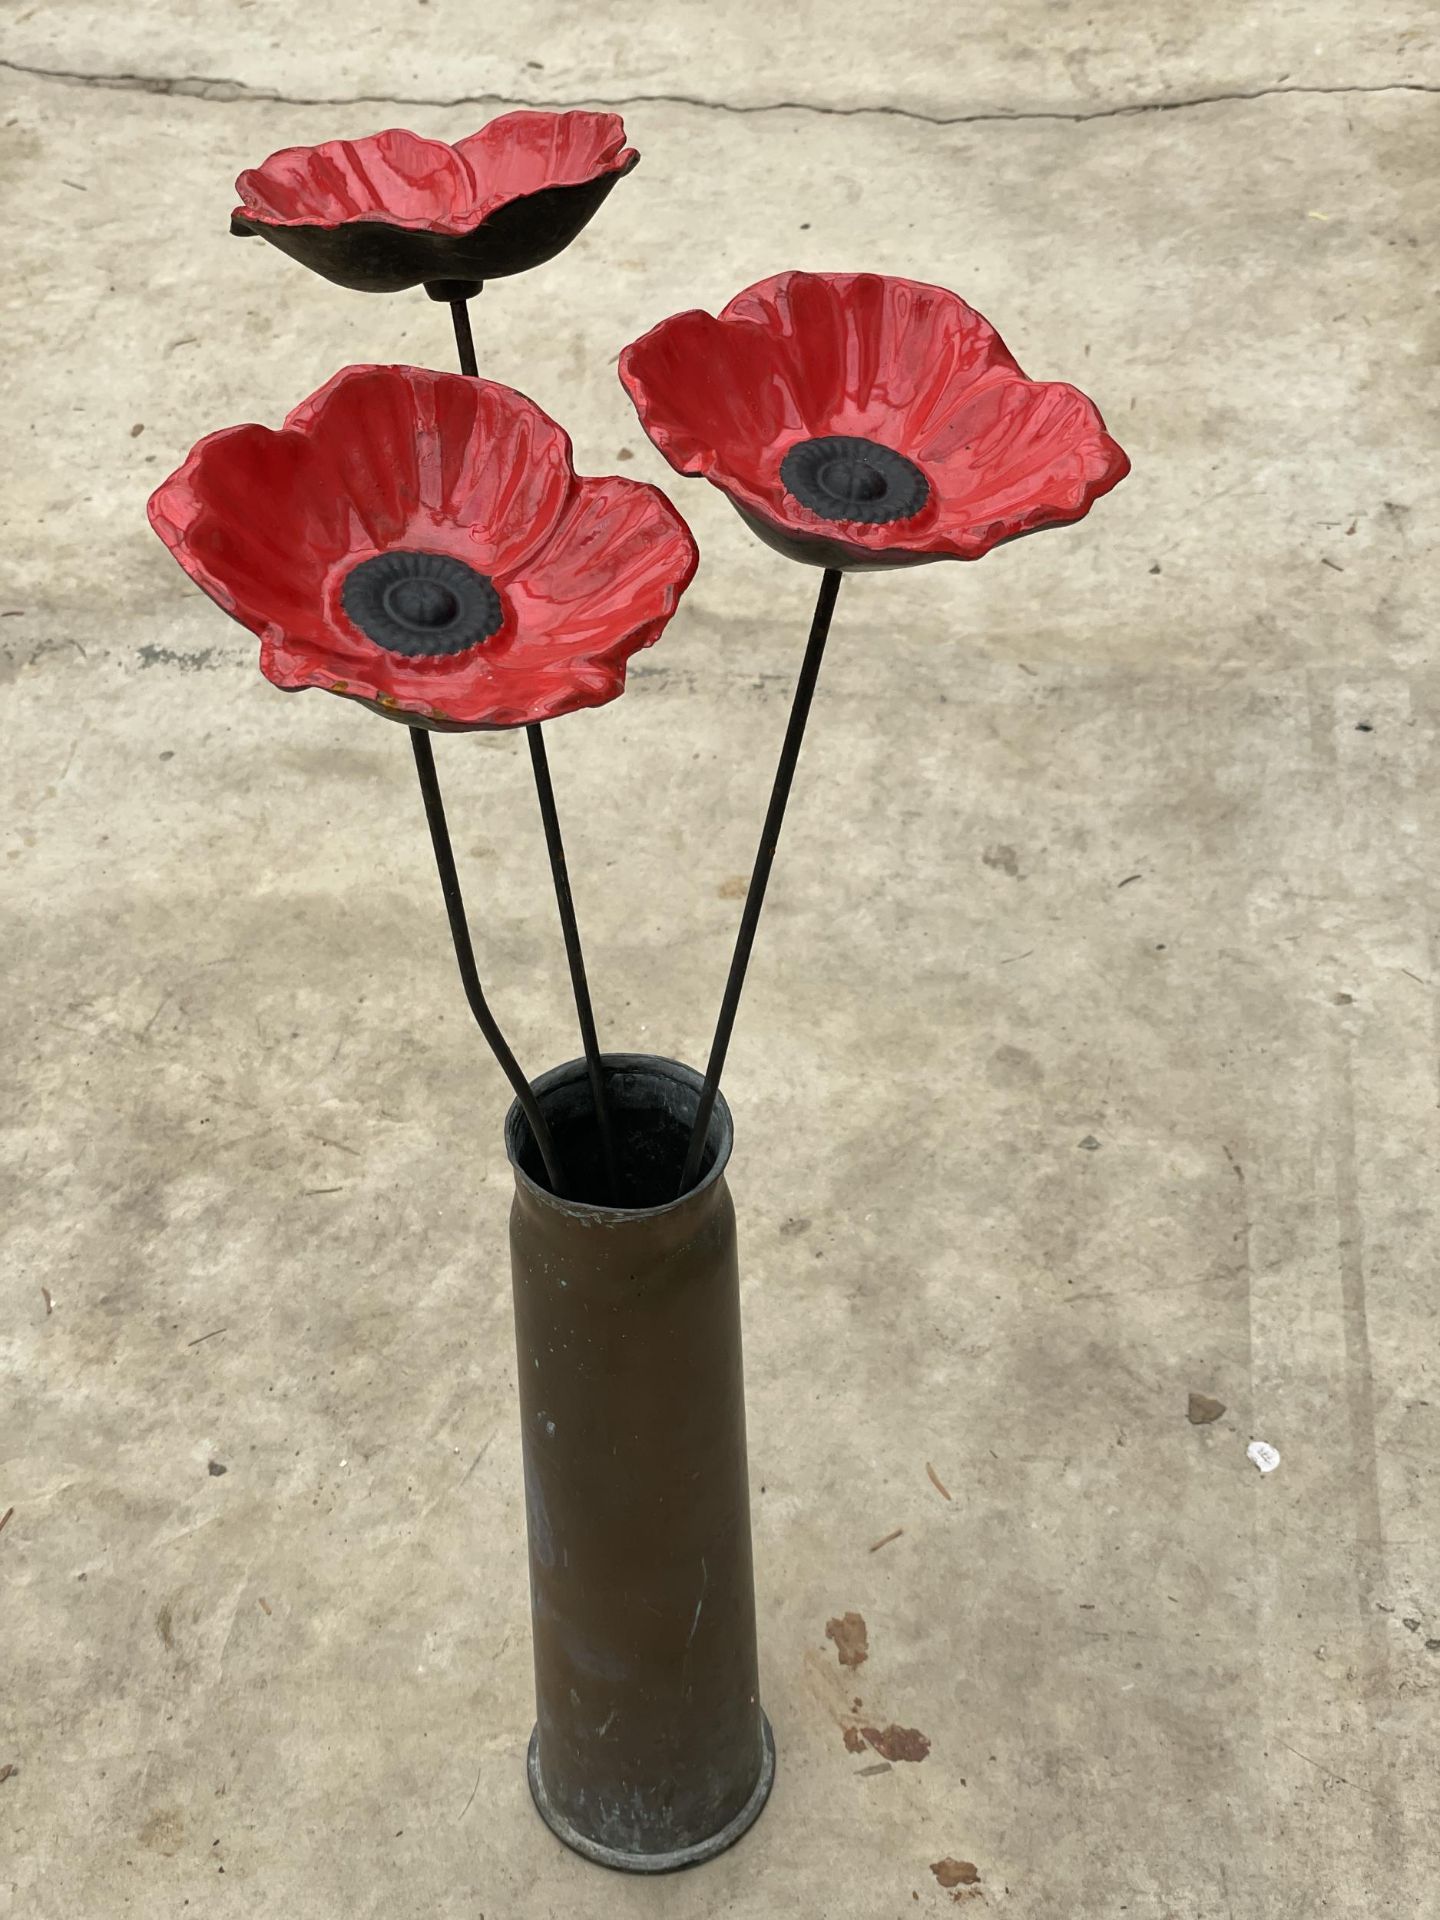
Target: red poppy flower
{"points": [[858, 421], [420, 542], [392, 210]]}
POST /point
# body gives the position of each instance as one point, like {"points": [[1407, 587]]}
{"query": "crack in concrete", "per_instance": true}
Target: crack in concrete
{"points": [[205, 87]]}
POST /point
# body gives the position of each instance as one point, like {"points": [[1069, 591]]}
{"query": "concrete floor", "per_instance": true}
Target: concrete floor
{"points": [[1089, 1060]]}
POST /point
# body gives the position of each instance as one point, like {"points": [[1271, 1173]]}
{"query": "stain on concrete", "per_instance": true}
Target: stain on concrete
{"points": [[199, 661], [1014, 1067], [1004, 859], [854, 1739], [163, 1831], [165, 1626], [852, 1642], [955, 1873], [1202, 1409], [897, 1743]]}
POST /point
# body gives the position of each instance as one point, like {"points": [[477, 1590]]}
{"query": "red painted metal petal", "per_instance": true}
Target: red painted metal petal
{"points": [[866, 351], [424, 458], [589, 622], [264, 564], [395, 176], [526, 152], [400, 179], [1016, 456], [713, 397]]}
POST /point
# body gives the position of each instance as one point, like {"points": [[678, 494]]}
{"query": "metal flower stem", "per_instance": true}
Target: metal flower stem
{"points": [[465, 955], [555, 847], [570, 928], [760, 874], [464, 338]]}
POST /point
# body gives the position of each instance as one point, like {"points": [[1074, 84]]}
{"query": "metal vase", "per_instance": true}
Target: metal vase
{"points": [[650, 1749]]}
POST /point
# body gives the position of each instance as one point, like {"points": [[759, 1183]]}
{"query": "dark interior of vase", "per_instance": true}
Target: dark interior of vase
{"points": [[651, 1104]]}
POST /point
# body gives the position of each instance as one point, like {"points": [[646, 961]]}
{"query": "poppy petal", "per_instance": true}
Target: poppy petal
{"points": [[567, 605], [1019, 456], [712, 396], [401, 179], [395, 176], [862, 351], [266, 569], [525, 152], [416, 453]]}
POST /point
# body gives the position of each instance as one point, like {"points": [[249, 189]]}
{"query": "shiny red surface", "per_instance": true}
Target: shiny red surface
{"points": [[401, 180], [270, 523], [804, 355]]}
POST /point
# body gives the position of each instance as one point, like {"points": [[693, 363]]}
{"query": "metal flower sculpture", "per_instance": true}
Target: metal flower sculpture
{"points": [[393, 210], [421, 542], [857, 421]]}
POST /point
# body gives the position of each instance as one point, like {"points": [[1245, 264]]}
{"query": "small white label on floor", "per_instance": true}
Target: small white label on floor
{"points": [[1266, 1457]]}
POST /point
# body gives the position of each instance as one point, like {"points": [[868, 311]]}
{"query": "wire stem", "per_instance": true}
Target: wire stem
{"points": [[464, 338], [465, 955], [555, 846], [760, 874], [564, 899]]}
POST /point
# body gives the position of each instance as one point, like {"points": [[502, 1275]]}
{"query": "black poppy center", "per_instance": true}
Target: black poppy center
{"points": [[844, 478], [421, 603]]}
